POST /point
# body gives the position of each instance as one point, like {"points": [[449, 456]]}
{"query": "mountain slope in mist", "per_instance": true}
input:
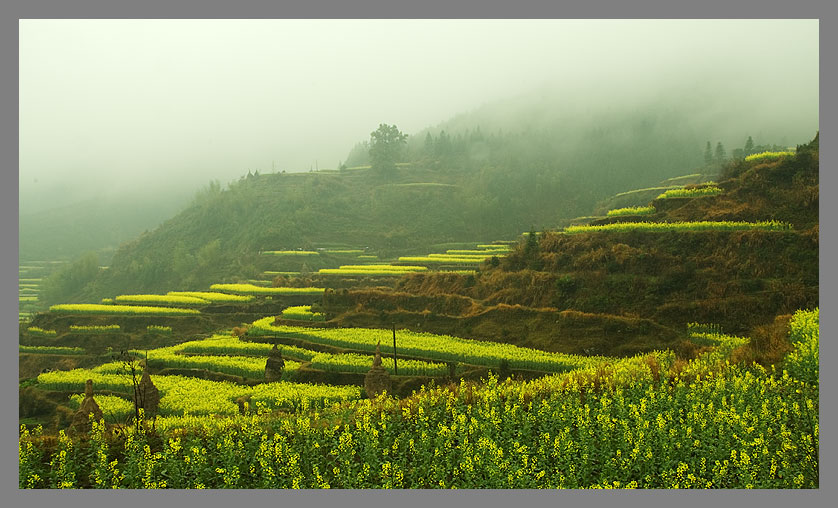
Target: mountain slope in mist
{"points": [[94, 225], [537, 172]]}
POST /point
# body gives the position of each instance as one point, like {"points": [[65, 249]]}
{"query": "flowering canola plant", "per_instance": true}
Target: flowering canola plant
{"points": [[641, 422], [429, 346]]}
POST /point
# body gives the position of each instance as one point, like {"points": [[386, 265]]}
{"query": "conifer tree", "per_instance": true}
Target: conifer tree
{"points": [[721, 155], [749, 146]]}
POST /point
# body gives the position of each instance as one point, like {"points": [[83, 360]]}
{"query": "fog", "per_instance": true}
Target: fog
{"points": [[111, 107]]}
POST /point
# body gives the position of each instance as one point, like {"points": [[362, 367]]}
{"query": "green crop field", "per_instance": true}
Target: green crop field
{"points": [[192, 396], [631, 210], [768, 156], [680, 226], [225, 345], [630, 423], [374, 270], [212, 296], [291, 253], [362, 364], [691, 193], [247, 367], [94, 329], [250, 289], [51, 350], [442, 348], [442, 260], [168, 299], [115, 409], [94, 308], [302, 313], [37, 331]]}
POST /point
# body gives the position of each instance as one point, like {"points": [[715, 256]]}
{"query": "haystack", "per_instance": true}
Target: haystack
{"points": [[81, 419], [377, 379], [147, 396], [274, 365]]}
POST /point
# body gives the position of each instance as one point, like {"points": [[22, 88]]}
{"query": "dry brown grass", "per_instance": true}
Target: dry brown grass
{"points": [[768, 345]]}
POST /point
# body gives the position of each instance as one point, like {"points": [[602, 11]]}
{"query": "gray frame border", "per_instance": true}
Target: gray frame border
{"points": [[382, 9]]}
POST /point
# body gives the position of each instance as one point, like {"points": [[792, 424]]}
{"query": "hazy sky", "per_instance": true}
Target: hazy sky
{"points": [[127, 104]]}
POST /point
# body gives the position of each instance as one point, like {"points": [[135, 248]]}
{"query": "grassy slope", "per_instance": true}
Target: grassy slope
{"points": [[739, 280], [220, 236]]}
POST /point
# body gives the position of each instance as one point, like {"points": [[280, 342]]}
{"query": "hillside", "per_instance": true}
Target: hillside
{"points": [[95, 225], [466, 187], [627, 291]]}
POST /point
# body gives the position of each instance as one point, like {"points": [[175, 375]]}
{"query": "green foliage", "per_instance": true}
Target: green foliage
{"points": [[66, 282], [362, 364], [212, 296], [182, 395], [803, 362], [344, 251], [386, 144], [253, 368], [250, 289], [749, 146], [494, 184], [451, 258], [680, 226], [40, 332], [115, 409], [765, 156], [50, 350], [632, 210], [168, 299], [632, 423], [94, 308], [231, 346], [690, 193], [95, 329], [291, 253], [373, 270], [721, 154], [163, 330], [439, 348], [494, 251], [302, 313]]}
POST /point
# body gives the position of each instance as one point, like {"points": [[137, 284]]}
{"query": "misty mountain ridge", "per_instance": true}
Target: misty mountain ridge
{"points": [[535, 160], [96, 224]]}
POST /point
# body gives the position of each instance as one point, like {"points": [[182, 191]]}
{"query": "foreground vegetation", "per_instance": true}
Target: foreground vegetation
{"points": [[644, 422], [181, 395], [708, 418]]}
